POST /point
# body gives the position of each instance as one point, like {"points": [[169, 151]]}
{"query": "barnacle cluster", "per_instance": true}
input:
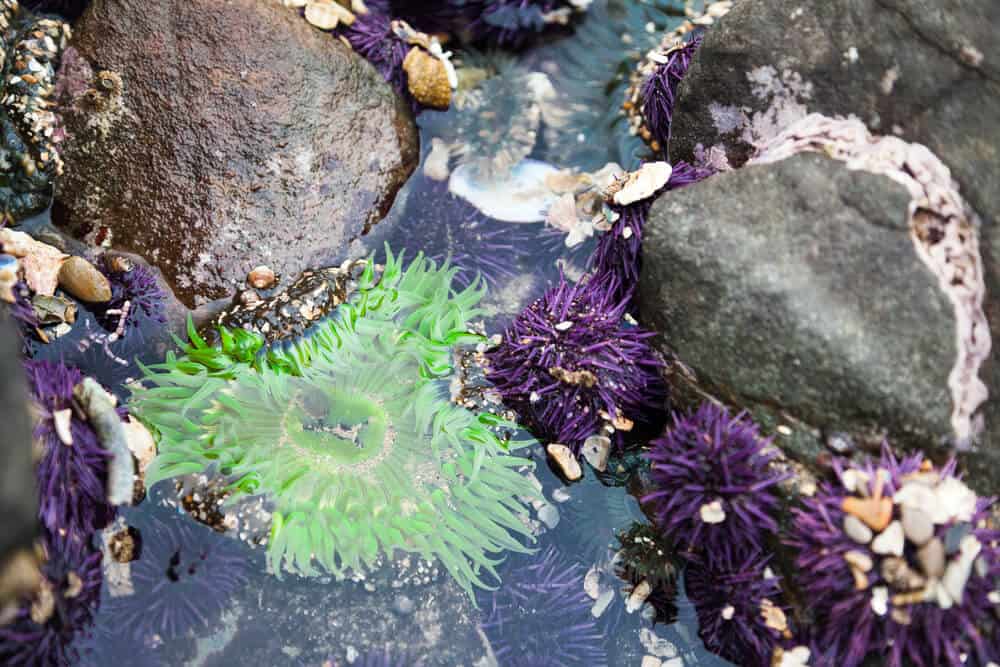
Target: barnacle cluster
{"points": [[30, 48], [900, 559], [349, 433]]}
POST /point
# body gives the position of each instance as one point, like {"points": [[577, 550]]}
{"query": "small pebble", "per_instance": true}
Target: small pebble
{"points": [[596, 450], [261, 277], [565, 462], [880, 600], [638, 596], [890, 541], [82, 280], [859, 560], [62, 419], [712, 512], [857, 530], [917, 525], [549, 515]]}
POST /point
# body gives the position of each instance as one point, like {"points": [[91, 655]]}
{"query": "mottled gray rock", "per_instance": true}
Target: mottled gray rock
{"points": [[18, 498], [212, 137], [796, 286], [923, 70]]}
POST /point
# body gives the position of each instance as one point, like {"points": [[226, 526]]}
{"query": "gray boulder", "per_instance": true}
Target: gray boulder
{"points": [[212, 137], [18, 496], [794, 288]]}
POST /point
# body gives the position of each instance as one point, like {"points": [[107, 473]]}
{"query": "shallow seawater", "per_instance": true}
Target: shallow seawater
{"points": [[199, 597]]}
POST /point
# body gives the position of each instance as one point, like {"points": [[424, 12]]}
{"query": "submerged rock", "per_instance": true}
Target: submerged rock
{"points": [[797, 284], [208, 146]]}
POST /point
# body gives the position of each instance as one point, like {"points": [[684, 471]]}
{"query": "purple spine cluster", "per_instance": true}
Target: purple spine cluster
{"points": [[713, 483], [134, 294], [659, 91], [74, 580], [730, 594], [541, 615], [71, 477], [845, 620], [183, 580], [619, 250], [568, 365]]}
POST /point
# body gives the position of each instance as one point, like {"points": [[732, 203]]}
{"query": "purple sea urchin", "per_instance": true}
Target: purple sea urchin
{"points": [[371, 36], [541, 615], [446, 227], [135, 295], [72, 470], [659, 91], [899, 559], [736, 602], [183, 579], [619, 250], [570, 367], [713, 485], [43, 631]]}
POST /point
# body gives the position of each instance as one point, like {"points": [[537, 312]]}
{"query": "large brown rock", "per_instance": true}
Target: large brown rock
{"points": [[210, 137]]}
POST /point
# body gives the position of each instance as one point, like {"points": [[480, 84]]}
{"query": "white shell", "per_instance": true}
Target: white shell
{"points": [[522, 196], [642, 184], [880, 600], [62, 419], [890, 540], [712, 512]]}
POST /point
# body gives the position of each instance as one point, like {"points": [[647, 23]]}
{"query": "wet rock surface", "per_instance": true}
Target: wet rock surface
{"points": [[210, 138], [794, 287], [18, 498], [922, 71]]}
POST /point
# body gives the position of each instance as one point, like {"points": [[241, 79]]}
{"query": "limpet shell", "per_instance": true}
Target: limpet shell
{"points": [[427, 79], [327, 14]]}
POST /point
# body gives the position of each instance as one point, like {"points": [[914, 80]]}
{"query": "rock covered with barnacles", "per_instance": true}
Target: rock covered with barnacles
{"points": [[30, 49], [240, 148]]}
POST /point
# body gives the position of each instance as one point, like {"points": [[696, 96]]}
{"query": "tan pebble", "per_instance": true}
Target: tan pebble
{"points": [[82, 280], [911, 597], [774, 617], [859, 560], [900, 614], [261, 277], [875, 512], [564, 460], [427, 79], [326, 14], [860, 579]]}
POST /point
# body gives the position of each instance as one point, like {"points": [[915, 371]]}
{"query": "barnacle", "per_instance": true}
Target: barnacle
{"points": [[349, 432], [30, 48]]}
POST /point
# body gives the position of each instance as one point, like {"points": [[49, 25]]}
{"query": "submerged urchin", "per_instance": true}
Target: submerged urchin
{"points": [[899, 559], [44, 631], [135, 296], [73, 466], [182, 581], [349, 433], [541, 615], [712, 481], [571, 368], [737, 602]]}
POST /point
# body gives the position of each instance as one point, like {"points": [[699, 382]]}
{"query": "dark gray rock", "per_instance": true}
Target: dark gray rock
{"points": [[795, 287], [922, 70], [18, 497], [211, 137]]}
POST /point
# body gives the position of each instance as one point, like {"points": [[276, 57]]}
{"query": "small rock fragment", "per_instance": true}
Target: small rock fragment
{"points": [[82, 280], [890, 541], [875, 512], [549, 515], [603, 602], [261, 277], [638, 596], [565, 462], [596, 450], [917, 525], [857, 530], [712, 512], [62, 420], [859, 560]]}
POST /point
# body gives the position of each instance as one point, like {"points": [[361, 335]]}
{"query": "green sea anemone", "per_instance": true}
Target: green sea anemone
{"points": [[349, 433]]}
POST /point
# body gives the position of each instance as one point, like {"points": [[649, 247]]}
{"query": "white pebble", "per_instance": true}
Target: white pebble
{"points": [[712, 512]]}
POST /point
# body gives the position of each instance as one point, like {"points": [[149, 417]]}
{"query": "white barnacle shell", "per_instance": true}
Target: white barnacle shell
{"points": [[643, 183]]}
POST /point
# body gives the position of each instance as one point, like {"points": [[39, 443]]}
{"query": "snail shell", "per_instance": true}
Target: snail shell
{"points": [[427, 79]]}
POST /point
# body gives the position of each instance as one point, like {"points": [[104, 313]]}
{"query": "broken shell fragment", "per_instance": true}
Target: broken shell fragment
{"points": [[712, 512], [642, 184], [890, 541], [326, 14], [875, 512], [427, 79], [596, 450]]}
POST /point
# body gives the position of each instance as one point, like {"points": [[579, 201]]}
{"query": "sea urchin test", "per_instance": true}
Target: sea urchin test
{"points": [[349, 433]]}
